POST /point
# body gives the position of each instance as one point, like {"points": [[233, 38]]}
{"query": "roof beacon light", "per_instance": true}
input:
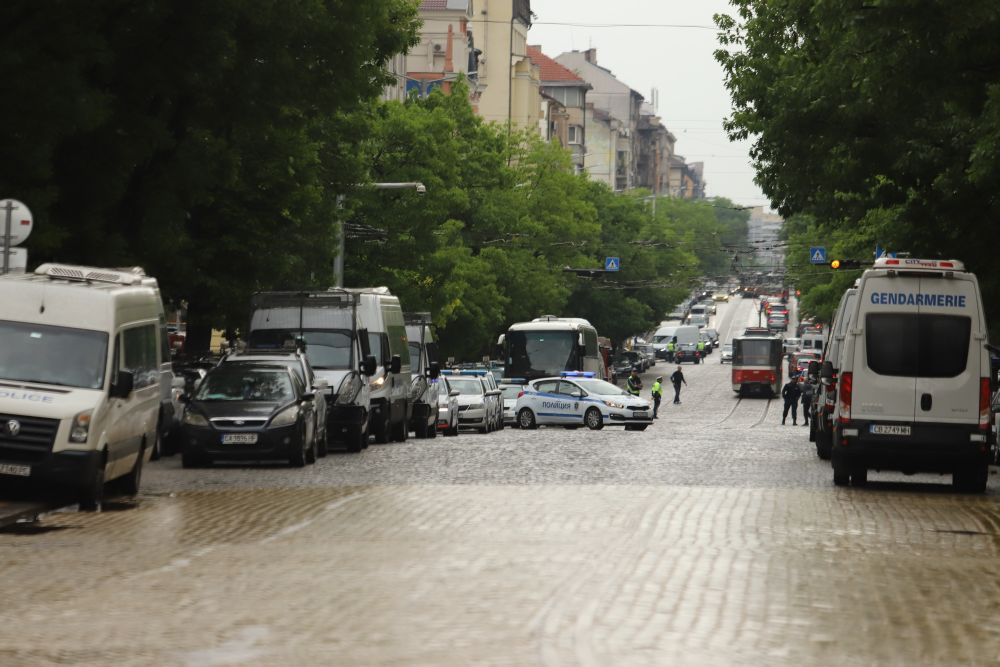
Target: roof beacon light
{"points": [[917, 264], [577, 374]]}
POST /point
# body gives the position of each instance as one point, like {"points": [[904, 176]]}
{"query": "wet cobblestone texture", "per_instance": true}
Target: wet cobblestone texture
{"points": [[715, 537]]}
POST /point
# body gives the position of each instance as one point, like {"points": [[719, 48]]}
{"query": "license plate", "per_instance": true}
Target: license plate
{"points": [[239, 439], [889, 429], [641, 414], [12, 469]]}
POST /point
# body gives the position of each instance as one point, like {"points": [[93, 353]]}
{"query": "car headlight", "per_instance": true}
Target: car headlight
{"points": [[614, 404], [444, 408], [350, 387], [378, 382], [286, 417], [192, 418], [477, 406], [81, 426]]}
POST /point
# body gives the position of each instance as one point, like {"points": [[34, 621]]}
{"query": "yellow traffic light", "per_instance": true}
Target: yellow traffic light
{"points": [[835, 264]]}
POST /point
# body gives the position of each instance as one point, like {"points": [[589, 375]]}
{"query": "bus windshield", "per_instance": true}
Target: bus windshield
{"points": [[539, 354]]}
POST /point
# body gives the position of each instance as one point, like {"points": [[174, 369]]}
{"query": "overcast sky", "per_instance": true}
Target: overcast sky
{"points": [[676, 61]]}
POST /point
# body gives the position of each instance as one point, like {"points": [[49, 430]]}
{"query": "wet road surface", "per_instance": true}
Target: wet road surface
{"points": [[715, 537]]}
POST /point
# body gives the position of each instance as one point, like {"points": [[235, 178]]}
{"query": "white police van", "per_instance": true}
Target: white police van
{"points": [[914, 385], [578, 398]]}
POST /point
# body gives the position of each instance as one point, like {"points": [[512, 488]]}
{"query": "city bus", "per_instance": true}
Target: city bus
{"points": [[548, 346], [757, 364]]}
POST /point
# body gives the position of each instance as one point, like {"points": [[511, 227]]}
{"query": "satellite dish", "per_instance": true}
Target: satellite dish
{"points": [[21, 221]]}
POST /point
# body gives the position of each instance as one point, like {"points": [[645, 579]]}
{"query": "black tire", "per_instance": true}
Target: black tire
{"points": [[420, 431], [312, 453], [593, 419], [970, 478], [297, 459], [381, 431], [323, 444], [129, 484], [432, 430], [824, 445], [160, 438], [841, 476], [526, 418], [354, 439], [91, 493], [812, 430], [859, 475]]}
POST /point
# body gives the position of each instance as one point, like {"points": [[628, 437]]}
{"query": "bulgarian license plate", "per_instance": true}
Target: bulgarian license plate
{"points": [[889, 429], [13, 469], [239, 439], [640, 414]]}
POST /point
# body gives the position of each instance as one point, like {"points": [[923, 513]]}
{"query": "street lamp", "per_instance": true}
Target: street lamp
{"points": [[338, 262]]}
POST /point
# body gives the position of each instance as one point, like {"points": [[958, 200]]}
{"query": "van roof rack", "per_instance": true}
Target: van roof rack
{"points": [[301, 298], [417, 318], [131, 276]]}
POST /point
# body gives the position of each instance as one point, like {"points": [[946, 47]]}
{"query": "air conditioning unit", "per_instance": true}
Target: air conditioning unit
{"points": [[438, 48]]}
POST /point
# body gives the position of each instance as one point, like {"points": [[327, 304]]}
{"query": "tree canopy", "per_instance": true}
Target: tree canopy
{"points": [[880, 120]]}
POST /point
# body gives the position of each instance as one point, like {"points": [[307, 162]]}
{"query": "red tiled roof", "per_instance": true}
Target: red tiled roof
{"points": [[550, 70]]}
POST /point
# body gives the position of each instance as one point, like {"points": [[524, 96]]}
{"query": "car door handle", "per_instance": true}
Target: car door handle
{"points": [[925, 402]]}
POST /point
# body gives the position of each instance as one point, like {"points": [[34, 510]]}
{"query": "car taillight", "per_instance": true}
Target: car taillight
{"points": [[846, 386], [984, 404], [520, 394]]}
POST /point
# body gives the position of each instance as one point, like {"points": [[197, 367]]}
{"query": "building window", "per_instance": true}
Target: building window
{"points": [[575, 134]]}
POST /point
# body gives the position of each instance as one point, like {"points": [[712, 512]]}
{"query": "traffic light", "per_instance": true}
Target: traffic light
{"points": [[845, 264]]}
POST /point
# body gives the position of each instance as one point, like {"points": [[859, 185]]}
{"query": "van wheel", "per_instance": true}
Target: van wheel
{"points": [[824, 445], [840, 476], [526, 418], [593, 419], [92, 491], [382, 431], [354, 439], [859, 476], [812, 430], [970, 478], [129, 484], [400, 431]]}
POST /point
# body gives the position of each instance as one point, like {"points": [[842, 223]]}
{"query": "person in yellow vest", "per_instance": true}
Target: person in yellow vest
{"points": [[671, 348], [657, 395], [701, 351]]}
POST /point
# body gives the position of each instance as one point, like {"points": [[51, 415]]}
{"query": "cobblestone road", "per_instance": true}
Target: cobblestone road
{"points": [[715, 537]]}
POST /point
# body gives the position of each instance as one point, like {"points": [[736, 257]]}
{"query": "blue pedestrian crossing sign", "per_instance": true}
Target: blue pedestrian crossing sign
{"points": [[817, 255], [612, 264]]}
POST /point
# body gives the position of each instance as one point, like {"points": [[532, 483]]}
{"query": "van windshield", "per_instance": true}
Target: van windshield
{"points": [[912, 345], [326, 350], [53, 355]]}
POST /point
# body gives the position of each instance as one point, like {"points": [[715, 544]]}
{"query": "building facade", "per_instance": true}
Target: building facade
{"points": [[508, 82], [570, 91]]}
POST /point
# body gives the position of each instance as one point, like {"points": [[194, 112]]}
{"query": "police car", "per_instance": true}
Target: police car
{"points": [[510, 389], [580, 399]]}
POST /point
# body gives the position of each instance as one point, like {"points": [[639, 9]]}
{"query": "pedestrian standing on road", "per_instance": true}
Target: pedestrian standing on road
{"points": [[701, 351], [634, 382], [678, 378], [791, 392], [657, 396], [807, 399]]}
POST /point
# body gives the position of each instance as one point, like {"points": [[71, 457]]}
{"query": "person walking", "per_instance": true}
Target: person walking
{"points": [[678, 378], [807, 399], [634, 382], [791, 392], [657, 396]]}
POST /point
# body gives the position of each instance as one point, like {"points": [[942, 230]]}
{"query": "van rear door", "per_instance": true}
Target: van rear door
{"points": [[948, 378], [886, 354]]}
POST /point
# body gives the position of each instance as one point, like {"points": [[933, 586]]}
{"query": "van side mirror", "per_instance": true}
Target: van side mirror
{"points": [[396, 364], [454, 392], [435, 371], [123, 385], [369, 365], [826, 371]]}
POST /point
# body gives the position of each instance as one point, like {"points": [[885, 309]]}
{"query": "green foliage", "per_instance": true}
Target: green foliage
{"points": [[880, 119], [503, 215], [204, 140]]}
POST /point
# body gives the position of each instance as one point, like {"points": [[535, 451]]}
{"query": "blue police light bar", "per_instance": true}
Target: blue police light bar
{"points": [[446, 371], [473, 372], [514, 381], [577, 374]]}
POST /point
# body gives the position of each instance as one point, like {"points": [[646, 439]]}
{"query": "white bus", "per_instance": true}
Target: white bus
{"points": [[548, 346]]}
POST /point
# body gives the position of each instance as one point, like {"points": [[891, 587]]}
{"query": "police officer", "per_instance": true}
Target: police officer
{"points": [[657, 395], [634, 382], [701, 350], [671, 348], [677, 378], [791, 392], [807, 399]]}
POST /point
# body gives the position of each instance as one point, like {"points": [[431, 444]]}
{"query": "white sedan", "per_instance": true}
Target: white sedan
{"points": [[580, 399]]}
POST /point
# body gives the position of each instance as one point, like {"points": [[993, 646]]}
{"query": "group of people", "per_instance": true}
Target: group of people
{"points": [[634, 387], [793, 392]]}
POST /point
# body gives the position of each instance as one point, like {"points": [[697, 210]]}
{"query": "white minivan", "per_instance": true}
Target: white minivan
{"points": [[80, 370], [914, 386]]}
